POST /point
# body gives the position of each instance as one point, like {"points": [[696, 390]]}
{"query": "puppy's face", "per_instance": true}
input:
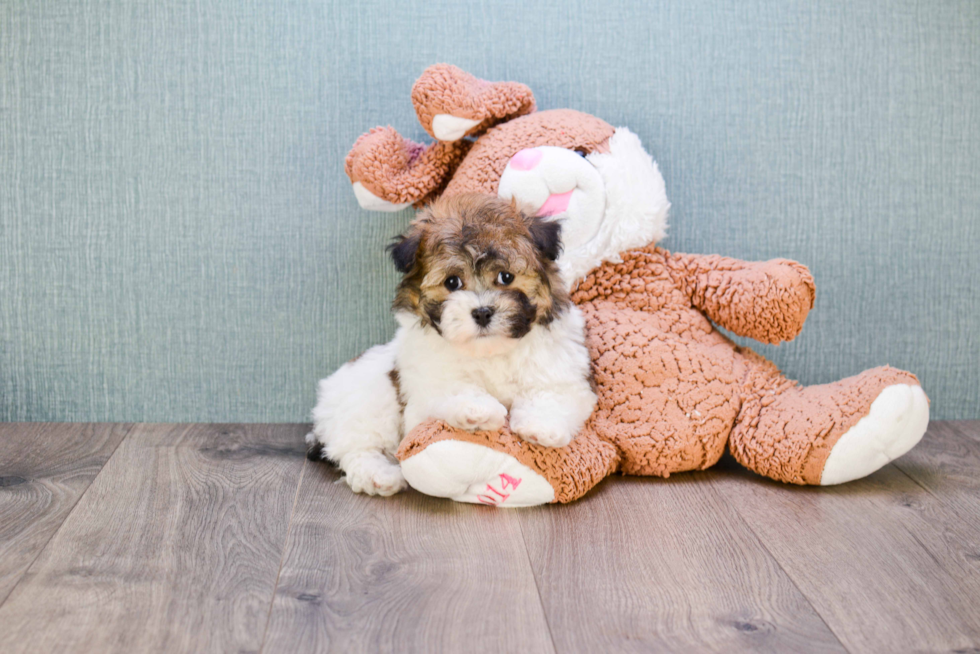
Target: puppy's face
{"points": [[480, 272]]}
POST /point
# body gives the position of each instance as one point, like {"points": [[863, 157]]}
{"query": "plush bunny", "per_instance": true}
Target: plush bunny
{"points": [[673, 390]]}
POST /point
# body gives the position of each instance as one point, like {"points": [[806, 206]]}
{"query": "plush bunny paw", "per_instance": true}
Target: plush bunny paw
{"points": [[895, 422]]}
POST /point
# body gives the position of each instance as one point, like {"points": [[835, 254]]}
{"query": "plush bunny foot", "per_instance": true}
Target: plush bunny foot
{"points": [[500, 469], [895, 424], [831, 433], [467, 472]]}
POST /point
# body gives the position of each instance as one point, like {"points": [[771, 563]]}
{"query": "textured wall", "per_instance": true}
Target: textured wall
{"points": [[178, 240]]}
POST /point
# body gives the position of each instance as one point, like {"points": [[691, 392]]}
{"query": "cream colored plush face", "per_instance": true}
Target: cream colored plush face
{"points": [[479, 270], [609, 200], [558, 182]]}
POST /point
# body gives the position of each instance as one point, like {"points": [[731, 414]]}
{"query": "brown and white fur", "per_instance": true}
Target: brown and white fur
{"points": [[486, 332]]}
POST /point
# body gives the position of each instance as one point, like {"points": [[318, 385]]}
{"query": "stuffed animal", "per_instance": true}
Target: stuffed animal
{"points": [[673, 391]]}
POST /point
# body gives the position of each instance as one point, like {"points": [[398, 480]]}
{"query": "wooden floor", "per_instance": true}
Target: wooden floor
{"points": [[223, 538]]}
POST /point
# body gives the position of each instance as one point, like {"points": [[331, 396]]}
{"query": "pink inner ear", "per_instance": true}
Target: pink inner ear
{"points": [[526, 159], [555, 204]]}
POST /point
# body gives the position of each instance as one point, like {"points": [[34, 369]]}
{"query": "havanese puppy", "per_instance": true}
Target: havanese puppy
{"points": [[487, 335]]}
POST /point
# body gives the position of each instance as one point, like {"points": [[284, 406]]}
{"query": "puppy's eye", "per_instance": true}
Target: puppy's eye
{"points": [[505, 278], [454, 283]]}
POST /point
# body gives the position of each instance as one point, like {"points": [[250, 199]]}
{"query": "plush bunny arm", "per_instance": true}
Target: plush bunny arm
{"points": [[767, 301], [400, 171], [450, 103]]}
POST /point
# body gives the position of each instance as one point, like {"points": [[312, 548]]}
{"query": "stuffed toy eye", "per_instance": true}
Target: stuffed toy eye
{"points": [[454, 283], [505, 278]]}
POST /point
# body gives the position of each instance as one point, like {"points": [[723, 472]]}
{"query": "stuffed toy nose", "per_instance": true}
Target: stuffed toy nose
{"points": [[482, 316], [526, 159]]}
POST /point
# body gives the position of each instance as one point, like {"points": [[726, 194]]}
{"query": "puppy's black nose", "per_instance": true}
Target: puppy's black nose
{"points": [[482, 316]]}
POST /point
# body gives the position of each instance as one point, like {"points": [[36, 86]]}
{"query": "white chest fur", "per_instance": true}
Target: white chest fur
{"points": [[431, 369]]}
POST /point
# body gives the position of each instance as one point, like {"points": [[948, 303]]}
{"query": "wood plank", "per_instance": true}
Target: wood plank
{"points": [[947, 464], [969, 428], [881, 559], [44, 469], [175, 547], [664, 565], [403, 574]]}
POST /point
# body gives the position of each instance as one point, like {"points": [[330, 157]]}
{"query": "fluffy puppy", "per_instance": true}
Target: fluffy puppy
{"points": [[486, 332]]}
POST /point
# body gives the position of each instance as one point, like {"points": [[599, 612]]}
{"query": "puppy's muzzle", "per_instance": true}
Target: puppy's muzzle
{"points": [[482, 315]]}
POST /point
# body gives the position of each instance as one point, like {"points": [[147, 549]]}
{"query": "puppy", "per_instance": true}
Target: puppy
{"points": [[486, 332]]}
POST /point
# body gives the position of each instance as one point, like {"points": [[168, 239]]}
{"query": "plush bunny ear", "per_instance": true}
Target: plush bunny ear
{"points": [[451, 103], [390, 172]]}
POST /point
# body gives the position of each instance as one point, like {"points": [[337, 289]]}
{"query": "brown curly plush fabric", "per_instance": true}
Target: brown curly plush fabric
{"points": [[672, 389], [766, 301]]}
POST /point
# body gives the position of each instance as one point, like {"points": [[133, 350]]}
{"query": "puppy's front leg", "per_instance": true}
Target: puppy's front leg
{"points": [[474, 412], [357, 423], [470, 409], [551, 418], [372, 473]]}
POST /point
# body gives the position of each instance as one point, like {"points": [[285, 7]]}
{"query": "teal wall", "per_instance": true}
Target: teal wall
{"points": [[178, 240]]}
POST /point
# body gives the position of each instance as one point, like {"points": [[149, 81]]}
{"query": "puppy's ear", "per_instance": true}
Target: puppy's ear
{"points": [[547, 236], [404, 249]]}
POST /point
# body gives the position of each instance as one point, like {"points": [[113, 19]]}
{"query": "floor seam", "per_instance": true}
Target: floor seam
{"points": [[775, 560], [943, 501], [537, 588], [282, 557], [917, 482], [958, 427], [54, 533]]}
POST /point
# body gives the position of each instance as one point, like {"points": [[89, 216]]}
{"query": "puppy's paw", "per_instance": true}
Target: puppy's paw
{"points": [[478, 414], [374, 475], [547, 431]]}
